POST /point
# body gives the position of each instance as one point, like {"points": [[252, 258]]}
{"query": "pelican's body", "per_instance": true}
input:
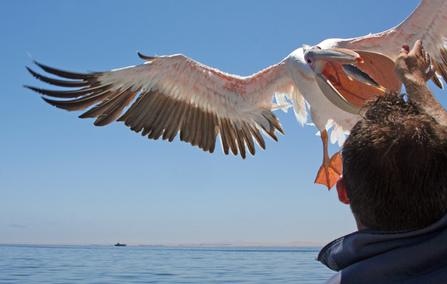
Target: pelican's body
{"points": [[321, 109], [177, 94]]}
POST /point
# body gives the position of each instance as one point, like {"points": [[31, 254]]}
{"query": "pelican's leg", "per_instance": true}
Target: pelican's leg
{"points": [[330, 170]]}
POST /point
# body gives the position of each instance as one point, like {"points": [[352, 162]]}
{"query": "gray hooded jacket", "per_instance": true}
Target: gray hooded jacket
{"points": [[389, 257]]}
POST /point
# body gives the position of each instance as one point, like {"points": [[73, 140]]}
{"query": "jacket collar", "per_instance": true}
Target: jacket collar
{"points": [[365, 244]]}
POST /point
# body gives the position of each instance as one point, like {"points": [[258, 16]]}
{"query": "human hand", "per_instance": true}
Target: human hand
{"points": [[414, 67]]}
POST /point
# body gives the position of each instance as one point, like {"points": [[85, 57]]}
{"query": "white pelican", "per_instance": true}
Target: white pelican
{"points": [[177, 94]]}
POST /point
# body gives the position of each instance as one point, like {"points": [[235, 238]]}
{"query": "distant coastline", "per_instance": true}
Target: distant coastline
{"points": [[242, 244]]}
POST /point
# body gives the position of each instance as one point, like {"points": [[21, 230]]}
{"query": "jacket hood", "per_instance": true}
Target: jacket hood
{"points": [[394, 255]]}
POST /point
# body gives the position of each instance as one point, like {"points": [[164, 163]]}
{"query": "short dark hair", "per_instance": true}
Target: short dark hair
{"points": [[395, 166]]}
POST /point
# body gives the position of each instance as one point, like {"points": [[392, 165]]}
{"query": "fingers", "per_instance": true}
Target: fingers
{"points": [[427, 60], [405, 48], [430, 73], [417, 48], [419, 52]]}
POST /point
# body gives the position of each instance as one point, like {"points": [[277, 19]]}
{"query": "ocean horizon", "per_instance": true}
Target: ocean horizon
{"points": [[32, 263], [235, 244]]}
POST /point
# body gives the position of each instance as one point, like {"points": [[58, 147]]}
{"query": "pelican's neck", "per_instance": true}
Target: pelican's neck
{"points": [[298, 67]]}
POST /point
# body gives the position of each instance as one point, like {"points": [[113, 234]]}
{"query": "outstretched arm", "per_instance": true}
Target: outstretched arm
{"points": [[411, 68]]}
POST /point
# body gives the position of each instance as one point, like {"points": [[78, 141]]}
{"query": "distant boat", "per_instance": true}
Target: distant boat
{"points": [[120, 245]]}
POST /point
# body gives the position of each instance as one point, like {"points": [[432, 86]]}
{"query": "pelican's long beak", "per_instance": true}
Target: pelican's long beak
{"points": [[334, 96], [317, 60]]}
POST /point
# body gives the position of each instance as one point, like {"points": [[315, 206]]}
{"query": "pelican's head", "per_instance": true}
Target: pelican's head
{"points": [[317, 58]]}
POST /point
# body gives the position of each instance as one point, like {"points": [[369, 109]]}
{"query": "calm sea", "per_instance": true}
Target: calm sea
{"points": [[160, 264]]}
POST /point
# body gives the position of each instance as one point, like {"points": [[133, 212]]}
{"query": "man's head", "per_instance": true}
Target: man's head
{"points": [[395, 167]]}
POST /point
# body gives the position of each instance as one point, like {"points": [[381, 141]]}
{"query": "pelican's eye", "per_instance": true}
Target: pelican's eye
{"points": [[309, 61]]}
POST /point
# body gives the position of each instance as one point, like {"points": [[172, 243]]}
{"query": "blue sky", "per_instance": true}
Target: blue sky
{"points": [[63, 180]]}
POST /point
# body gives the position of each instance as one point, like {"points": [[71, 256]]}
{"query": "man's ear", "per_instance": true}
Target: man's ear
{"points": [[341, 190]]}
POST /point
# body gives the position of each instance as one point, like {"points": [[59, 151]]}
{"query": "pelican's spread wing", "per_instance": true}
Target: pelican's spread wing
{"points": [[177, 94], [428, 22]]}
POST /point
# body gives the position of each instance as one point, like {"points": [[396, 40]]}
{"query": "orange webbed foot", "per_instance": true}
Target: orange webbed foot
{"points": [[330, 171]]}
